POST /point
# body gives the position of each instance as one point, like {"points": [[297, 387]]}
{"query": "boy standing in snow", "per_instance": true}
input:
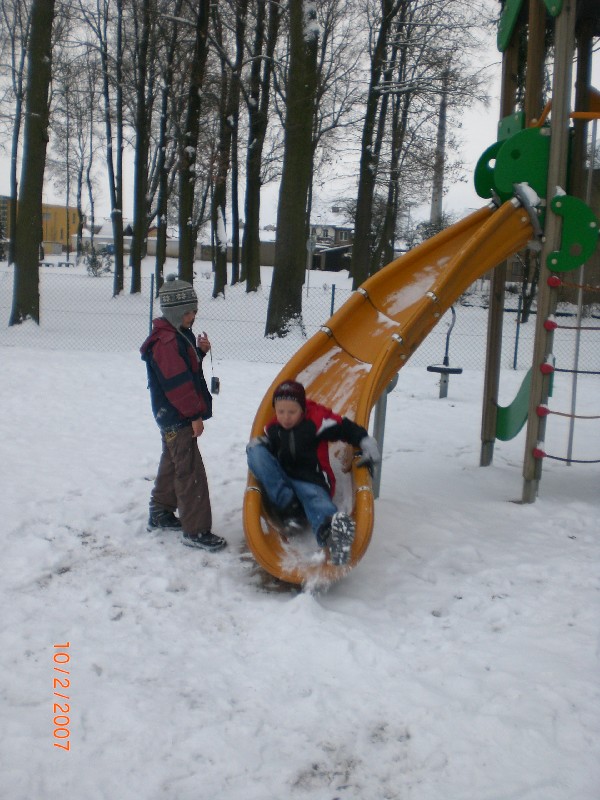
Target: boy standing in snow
{"points": [[180, 403], [291, 461]]}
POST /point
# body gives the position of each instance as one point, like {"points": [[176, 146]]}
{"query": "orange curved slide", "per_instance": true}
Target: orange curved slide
{"points": [[350, 361]]}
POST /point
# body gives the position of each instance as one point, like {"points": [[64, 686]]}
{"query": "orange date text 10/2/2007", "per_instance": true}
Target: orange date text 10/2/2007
{"points": [[61, 684]]}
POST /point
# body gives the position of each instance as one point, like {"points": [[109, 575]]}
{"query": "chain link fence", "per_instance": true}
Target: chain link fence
{"points": [[78, 312]]}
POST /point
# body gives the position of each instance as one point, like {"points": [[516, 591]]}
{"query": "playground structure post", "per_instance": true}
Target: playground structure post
{"points": [[547, 297], [497, 283]]}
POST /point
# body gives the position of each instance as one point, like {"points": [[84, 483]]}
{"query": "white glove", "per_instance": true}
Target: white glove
{"points": [[259, 440], [370, 453]]}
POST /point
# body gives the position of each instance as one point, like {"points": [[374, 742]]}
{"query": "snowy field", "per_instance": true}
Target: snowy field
{"points": [[460, 660]]}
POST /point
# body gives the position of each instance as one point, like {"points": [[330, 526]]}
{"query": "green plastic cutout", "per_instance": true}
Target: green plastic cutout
{"points": [[523, 159], [510, 125], [579, 234], [484, 171], [554, 7], [508, 21], [510, 419]]}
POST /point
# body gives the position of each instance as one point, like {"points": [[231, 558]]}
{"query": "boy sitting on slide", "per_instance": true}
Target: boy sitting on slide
{"points": [[291, 462]]}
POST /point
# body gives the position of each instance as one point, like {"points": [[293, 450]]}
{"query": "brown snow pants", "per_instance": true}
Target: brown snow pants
{"points": [[181, 481]]}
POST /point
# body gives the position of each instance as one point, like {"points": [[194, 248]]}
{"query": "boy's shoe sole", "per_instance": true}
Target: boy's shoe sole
{"points": [[204, 541], [341, 538], [150, 527]]}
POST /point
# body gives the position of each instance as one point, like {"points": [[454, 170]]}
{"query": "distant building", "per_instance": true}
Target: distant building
{"points": [[332, 235], [54, 223]]}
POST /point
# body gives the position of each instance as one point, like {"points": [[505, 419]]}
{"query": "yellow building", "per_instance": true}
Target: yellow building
{"points": [[54, 222]]}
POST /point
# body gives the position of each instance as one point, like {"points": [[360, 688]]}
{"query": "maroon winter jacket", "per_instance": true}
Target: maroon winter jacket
{"points": [[178, 391]]}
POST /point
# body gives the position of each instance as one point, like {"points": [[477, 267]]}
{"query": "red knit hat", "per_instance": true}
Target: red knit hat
{"points": [[290, 390]]}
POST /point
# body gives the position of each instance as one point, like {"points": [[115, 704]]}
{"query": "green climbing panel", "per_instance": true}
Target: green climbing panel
{"points": [[524, 159], [519, 157], [508, 21], [510, 16], [579, 234]]}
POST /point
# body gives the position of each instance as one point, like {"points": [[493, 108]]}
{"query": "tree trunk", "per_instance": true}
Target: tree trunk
{"points": [[14, 184], [162, 203], [143, 90], [235, 210], [189, 145], [114, 163], [362, 243], [285, 299], [258, 117], [437, 195], [26, 296], [234, 104], [19, 39]]}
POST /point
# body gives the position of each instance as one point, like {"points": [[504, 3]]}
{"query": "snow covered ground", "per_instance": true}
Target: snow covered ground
{"points": [[459, 661]]}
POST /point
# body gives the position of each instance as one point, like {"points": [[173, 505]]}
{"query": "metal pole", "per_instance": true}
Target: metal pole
{"points": [[379, 431], [332, 299], [516, 353], [310, 249], [588, 196], [151, 301]]}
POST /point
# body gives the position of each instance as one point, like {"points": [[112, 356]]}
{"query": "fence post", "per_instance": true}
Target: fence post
{"points": [[151, 303], [516, 353], [332, 299]]}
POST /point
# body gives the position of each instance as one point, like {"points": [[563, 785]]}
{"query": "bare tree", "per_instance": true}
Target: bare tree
{"points": [[229, 103], [144, 55], [16, 16], [420, 54], [258, 96], [104, 18], [165, 151], [285, 300], [188, 144], [26, 296]]}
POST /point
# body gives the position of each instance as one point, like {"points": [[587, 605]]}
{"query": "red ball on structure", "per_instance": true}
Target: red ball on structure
{"points": [[554, 281]]}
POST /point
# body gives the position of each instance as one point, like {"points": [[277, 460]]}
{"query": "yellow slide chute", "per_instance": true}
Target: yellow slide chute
{"points": [[350, 361]]}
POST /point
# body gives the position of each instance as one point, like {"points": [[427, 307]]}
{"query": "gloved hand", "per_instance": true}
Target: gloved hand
{"points": [[259, 440], [370, 453]]}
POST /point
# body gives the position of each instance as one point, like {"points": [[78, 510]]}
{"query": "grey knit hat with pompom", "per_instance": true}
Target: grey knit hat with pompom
{"points": [[176, 298]]}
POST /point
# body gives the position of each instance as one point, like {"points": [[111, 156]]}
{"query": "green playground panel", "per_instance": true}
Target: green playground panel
{"points": [[510, 125], [579, 236], [510, 419], [522, 157]]}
